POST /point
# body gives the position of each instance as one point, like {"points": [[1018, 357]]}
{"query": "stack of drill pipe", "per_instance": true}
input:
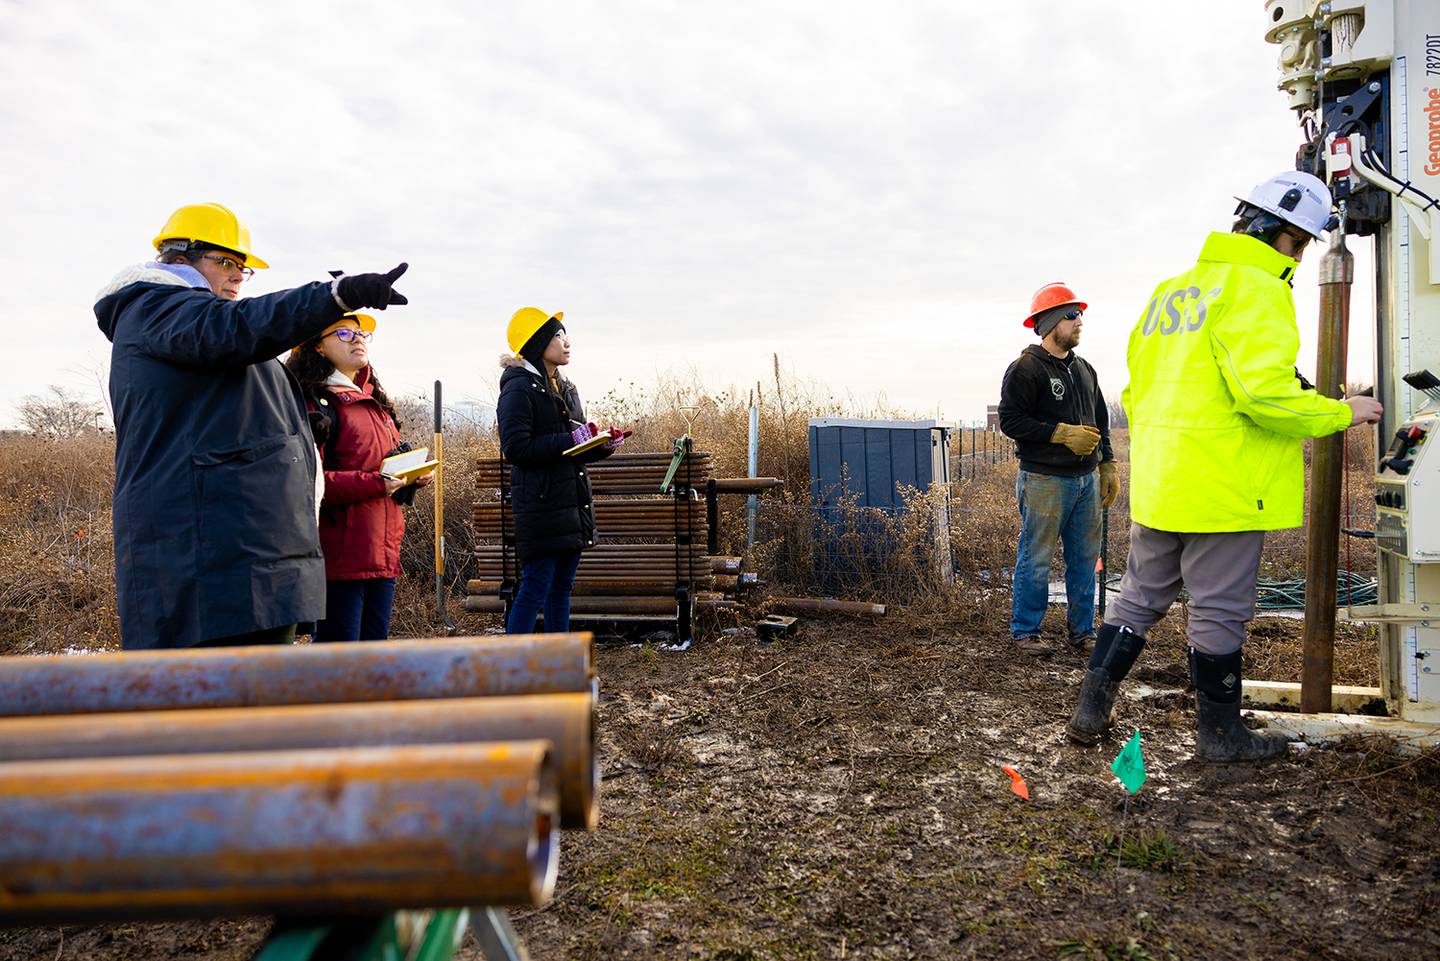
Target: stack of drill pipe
{"points": [[587, 604], [219, 781], [659, 587], [564, 720], [356, 831], [621, 471], [633, 562], [652, 517]]}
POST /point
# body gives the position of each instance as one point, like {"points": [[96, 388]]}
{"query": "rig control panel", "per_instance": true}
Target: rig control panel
{"points": [[1407, 491]]}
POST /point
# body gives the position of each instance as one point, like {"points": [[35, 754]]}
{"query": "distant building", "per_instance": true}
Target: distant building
{"points": [[992, 416]]}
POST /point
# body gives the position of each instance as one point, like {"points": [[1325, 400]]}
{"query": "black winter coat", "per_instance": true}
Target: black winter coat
{"points": [[214, 510], [1040, 391], [550, 492]]}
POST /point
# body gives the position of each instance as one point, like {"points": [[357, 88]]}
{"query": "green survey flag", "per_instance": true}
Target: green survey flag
{"points": [[1129, 764]]}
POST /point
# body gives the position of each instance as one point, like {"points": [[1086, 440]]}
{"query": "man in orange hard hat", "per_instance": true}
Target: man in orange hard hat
{"points": [[1052, 407]]}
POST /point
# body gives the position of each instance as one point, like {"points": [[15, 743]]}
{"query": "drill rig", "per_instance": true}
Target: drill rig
{"points": [[1363, 77]]}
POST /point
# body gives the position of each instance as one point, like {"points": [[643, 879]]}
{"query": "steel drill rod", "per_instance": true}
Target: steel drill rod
{"points": [[727, 565], [349, 831], [825, 605], [564, 720], [1322, 555], [299, 674], [747, 485]]}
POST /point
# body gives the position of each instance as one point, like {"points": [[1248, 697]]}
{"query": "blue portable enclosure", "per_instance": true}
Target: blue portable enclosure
{"points": [[871, 458]]}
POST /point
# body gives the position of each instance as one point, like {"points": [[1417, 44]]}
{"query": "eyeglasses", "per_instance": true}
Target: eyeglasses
{"points": [[350, 334], [230, 264], [1072, 314]]}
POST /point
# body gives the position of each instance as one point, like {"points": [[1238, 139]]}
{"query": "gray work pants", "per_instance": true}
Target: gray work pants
{"points": [[1218, 569]]}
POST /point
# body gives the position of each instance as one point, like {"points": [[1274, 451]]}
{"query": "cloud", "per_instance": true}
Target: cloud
{"points": [[871, 191]]}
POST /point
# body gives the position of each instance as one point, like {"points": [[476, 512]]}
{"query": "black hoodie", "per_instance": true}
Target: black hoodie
{"points": [[1040, 391]]}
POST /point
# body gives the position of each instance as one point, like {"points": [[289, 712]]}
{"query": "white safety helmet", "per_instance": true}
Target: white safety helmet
{"points": [[1298, 198]]}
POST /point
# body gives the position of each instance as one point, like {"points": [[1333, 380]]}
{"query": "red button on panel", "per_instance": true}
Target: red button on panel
{"points": [[1415, 433]]}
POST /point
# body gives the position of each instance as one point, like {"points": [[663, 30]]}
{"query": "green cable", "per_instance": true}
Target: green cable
{"points": [[1351, 589]]}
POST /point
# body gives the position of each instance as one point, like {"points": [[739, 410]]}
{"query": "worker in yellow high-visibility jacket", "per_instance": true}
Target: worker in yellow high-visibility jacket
{"points": [[1217, 416]]}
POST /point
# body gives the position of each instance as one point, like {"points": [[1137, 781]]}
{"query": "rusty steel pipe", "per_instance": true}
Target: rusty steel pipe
{"points": [[564, 720], [353, 831], [298, 674], [1327, 457], [825, 605], [746, 485]]}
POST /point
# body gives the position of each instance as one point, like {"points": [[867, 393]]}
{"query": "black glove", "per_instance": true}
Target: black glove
{"points": [[370, 290], [405, 496]]}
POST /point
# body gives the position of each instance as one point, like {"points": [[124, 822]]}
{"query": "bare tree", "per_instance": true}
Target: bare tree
{"points": [[59, 414], [1117, 414]]}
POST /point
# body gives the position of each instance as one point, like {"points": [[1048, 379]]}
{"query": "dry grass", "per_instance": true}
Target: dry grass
{"points": [[57, 568], [57, 575]]}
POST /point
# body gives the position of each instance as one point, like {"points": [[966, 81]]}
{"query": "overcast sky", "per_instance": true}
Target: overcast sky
{"points": [[872, 190]]}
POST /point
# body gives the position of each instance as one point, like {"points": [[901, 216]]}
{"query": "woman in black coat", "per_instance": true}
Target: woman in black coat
{"points": [[540, 417]]}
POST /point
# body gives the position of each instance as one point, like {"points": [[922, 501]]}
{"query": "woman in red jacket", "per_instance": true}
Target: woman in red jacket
{"points": [[361, 525]]}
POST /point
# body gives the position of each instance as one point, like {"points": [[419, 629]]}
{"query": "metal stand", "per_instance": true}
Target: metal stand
{"points": [[412, 935], [684, 538], [509, 560], [497, 937]]}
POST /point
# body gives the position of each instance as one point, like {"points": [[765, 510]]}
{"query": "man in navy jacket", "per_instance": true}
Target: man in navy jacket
{"points": [[215, 467]]}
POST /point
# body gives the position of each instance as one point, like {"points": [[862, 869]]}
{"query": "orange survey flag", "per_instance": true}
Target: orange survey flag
{"points": [[1017, 783]]}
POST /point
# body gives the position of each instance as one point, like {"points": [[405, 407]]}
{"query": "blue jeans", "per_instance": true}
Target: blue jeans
{"points": [[357, 610], [544, 582], [1067, 508]]}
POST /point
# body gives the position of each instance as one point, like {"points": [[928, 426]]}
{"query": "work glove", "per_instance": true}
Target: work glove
{"points": [[1109, 484], [353, 291], [1082, 439]]}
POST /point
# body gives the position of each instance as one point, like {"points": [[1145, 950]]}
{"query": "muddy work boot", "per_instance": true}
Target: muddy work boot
{"points": [[1116, 649], [1220, 736], [1034, 645]]}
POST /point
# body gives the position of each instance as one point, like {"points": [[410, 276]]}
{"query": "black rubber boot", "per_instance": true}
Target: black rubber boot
{"points": [[1220, 736], [1116, 649]]}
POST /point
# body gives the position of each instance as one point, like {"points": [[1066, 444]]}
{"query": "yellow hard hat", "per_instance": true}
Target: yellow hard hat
{"points": [[524, 324], [211, 224]]}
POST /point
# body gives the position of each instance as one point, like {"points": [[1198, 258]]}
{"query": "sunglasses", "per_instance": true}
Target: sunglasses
{"points": [[1072, 314]]}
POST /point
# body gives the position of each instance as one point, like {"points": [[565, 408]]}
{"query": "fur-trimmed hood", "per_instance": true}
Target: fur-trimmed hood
{"points": [[508, 361], [148, 273], [133, 282]]}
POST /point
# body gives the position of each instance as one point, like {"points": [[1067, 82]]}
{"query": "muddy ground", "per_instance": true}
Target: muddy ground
{"points": [[839, 795]]}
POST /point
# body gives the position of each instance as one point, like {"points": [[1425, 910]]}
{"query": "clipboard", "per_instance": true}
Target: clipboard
{"points": [[598, 440], [409, 466]]}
